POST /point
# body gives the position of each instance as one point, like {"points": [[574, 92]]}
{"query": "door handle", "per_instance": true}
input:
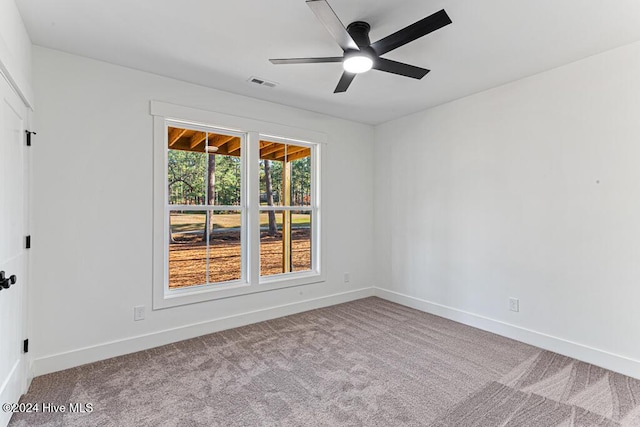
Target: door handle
{"points": [[6, 282]]}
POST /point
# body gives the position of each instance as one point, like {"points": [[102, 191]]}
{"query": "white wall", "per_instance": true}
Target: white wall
{"points": [[529, 190], [92, 253], [15, 49]]}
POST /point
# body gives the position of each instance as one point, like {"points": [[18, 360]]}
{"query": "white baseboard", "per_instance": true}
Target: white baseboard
{"points": [[82, 356], [594, 356]]}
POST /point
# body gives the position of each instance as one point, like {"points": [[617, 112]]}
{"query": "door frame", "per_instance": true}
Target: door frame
{"points": [[22, 375]]}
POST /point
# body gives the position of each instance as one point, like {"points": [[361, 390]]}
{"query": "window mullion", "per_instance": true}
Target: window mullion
{"points": [[252, 203]]}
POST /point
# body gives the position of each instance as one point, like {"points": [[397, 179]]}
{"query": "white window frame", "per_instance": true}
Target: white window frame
{"points": [[252, 131]]}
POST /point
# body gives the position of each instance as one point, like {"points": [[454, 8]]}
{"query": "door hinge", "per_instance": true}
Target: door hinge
{"points": [[25, 345], [27, 242], [29, 133]]}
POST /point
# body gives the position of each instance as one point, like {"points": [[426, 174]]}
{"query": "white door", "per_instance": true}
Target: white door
{"points": [[13, 256]]}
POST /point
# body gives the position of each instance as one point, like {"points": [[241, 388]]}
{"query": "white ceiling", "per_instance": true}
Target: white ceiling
{"points": [[221, 43]]}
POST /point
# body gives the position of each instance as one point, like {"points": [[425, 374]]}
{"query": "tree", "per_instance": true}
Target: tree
{"points": [[301, 181], [269, 190], [211, 193], [227, 185], [186, 177]]}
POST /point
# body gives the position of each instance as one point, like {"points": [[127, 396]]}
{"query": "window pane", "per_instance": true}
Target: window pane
{"points": [[226, 179], [271, 162], [187, 249], [301, 179], [301, 241], [285, 174], [187, 167], [285, 245], [271, 249], [198, 178], [225, 255]]}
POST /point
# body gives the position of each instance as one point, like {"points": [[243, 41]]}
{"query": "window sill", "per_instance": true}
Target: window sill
{"points": [[197, 294]]}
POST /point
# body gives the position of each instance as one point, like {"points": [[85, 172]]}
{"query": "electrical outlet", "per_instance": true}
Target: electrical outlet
{"points": [[346, 278], [138, 312], [514, 304]]}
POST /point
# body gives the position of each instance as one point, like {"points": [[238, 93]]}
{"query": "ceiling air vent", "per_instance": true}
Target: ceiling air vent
{"points": [[261, 82]]}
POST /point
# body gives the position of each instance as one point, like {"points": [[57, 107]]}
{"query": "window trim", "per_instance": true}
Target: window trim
{"points": [[253, 130]]}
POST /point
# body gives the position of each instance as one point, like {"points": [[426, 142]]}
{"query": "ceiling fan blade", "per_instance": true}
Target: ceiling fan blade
{"points": [[344, 82], [307, 60], [399, 68], [412, 32], [330, 20]]}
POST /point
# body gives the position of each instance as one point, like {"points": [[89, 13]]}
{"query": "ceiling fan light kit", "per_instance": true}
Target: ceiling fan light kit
{"points": [[360, 55], [357, 63]]}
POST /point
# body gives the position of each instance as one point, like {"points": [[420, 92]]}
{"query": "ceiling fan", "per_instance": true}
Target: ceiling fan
{"points": [[360, 55]]}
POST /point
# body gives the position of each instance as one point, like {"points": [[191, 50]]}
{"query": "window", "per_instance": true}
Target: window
{"points": [[204, 206], [235, 211], [286, 208]]}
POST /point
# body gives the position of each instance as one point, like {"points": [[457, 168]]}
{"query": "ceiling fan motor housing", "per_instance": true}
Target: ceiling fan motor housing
{"points": [[359, 32]]}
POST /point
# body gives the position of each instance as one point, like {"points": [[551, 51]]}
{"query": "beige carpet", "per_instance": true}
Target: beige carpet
{"points": [[364, 363]]}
